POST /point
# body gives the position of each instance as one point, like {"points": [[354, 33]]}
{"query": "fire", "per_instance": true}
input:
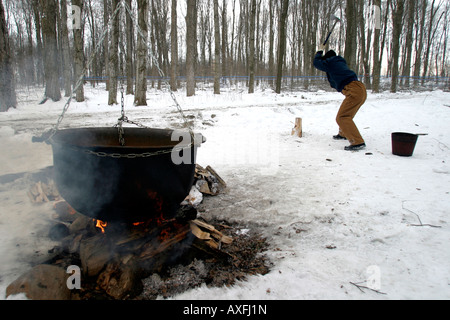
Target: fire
{"points": [[101, 225]]}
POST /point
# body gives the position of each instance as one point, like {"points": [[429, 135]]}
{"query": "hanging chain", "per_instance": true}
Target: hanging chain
{"points": [[123, 118], [80, 80], [160, 71]]}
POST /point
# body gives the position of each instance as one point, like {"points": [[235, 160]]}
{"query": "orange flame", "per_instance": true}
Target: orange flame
{"points": [[101, 225]]}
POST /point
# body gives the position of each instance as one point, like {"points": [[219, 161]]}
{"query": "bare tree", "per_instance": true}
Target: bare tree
{"points": [[78, 65], [409, 40], [114, 57], [378, 47], [50, 50], [191, 46], [251, 57], [432, 28], [130, 49], [225, 49], [351, 34], [66, 50], [217, 48], [397, 21], [420, 31], [7, 85], [281, 44], [140, 98], [174, 47], [106, 41]]}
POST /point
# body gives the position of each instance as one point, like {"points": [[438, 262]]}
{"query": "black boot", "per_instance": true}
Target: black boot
{"points": [[339, 137], [356, 147]]}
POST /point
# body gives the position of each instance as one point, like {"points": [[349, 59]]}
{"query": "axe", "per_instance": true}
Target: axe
{"points": [[336, 20]]}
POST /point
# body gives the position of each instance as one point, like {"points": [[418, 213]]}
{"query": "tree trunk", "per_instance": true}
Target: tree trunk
{"points": [[141, 63], [378, 48], [114, 56], [409, 41], [130, 46], [364, 49], [397, 17], [174, 47], [251, 58], [38, 26], [225, 55], [106, 42], [217, 49], [419, 42], [66, 51], [191, 46], [281, 44], [7, 85], [271, 42], [351, 34], [78, 54], [51, 74], [431, 33]]}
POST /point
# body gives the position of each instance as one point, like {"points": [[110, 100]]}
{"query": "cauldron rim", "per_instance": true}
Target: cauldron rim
{"points": [[108, 137]]}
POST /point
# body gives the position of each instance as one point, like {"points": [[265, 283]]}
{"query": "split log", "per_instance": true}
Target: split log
{"points": [[208, 180], [215, 174], [298, 130], [213, 232], [43, 192]]}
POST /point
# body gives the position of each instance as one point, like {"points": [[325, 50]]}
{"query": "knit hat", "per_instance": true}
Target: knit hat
{"points": [[329, 54]]}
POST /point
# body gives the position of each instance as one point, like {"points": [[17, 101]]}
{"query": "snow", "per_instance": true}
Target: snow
{"points": [[332, 217]]}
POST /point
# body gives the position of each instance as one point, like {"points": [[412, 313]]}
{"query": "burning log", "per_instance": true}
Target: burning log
{"points": [[95, 252]]}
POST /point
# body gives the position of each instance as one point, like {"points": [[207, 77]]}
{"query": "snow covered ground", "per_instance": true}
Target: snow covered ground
{"points": [[333, 217]]}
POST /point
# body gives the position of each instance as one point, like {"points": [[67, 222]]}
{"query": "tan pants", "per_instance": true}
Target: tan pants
{"points": [[355, 96]]}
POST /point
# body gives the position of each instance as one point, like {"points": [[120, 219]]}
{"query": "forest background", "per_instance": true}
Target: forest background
{"points": [[62, 45]]}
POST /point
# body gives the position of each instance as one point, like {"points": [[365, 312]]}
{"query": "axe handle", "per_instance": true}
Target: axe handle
{"points": [[331, 31]]}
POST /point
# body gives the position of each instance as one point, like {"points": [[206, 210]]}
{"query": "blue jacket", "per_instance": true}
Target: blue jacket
{"points": [[338, 73]]}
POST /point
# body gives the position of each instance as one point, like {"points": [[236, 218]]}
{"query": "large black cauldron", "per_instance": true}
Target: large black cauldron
{"points": [[106, 181]]}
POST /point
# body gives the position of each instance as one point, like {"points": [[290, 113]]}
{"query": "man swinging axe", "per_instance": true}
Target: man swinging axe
{"points": [[345, 81]]}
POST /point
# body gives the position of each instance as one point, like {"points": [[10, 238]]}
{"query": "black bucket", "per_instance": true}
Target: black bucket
{"points": [[403, 144]]}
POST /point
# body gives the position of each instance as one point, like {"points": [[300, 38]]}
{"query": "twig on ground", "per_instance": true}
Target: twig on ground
{"points": [[360, 287], [418, 218]]}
